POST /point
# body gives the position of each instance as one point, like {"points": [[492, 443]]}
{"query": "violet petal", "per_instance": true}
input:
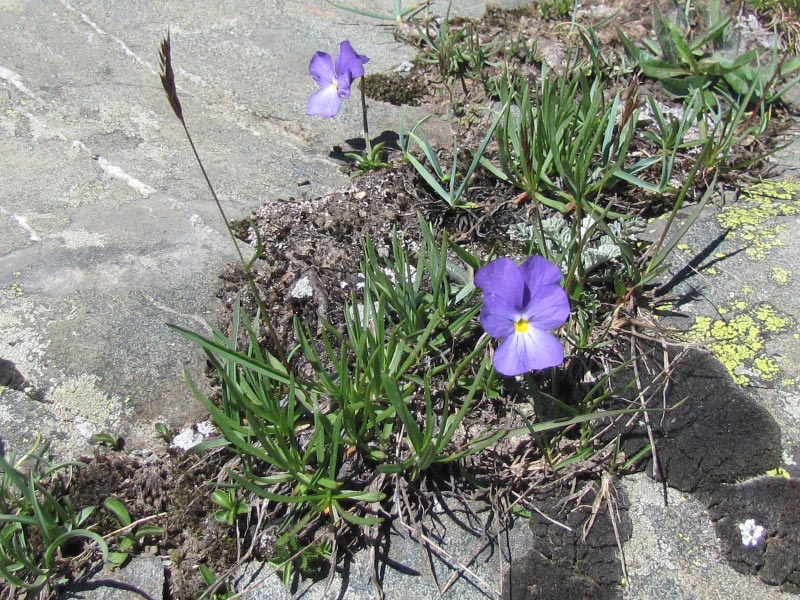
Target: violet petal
{"points": [[533, 350], [321, 69], [349, 62], [501, 280], [537, 271], [343, 87], [548, 308], [497, 320], [325, 102]]}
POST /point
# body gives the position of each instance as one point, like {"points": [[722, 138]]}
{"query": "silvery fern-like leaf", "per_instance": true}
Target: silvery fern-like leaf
{"points": [[520, 232], [600, 251], [553, 226]]}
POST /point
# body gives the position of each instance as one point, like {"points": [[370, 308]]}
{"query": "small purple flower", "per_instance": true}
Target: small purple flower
{"points": [[334, 82], [520, 305]]}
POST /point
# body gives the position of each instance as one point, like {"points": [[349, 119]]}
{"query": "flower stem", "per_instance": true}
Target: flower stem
{"points": [[276, 342], [367, 142]]}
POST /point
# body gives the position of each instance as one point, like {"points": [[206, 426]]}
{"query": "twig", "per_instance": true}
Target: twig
{"points": [[426, 557], [133, 525], [613, 514], [658, 472], [168, 83], [552, 520], [473, 555], [83, 555], [222, 579]]}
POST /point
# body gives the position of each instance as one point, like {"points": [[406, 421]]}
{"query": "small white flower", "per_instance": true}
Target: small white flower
{"points": [[751, 533]]}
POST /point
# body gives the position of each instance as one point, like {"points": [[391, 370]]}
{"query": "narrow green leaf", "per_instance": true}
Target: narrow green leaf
{"points": [[146, 530], [675, 239], [412, 429], [119, 510], [476, 159], [710, 34], [429, 179], [661, 69], [207, 575], [363, 521]]}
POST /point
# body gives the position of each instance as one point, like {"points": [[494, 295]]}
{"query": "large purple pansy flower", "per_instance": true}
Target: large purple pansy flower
{"points": [[334, 82], [521, 304]]}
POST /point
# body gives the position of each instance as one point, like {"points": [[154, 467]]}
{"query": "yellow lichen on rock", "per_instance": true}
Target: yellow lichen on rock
{"points": [[751, 223], [779, 275], [738, 342], [773, 320], [770, 191], [766, 367], [779, 472]]}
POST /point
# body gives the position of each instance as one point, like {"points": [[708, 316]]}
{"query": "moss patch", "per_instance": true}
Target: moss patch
{"points": [[395, 88]]}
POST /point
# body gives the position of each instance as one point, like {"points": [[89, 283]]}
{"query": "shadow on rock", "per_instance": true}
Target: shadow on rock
{"points": [[11, 378], [717, 435], [758, 523], [388, 138]]}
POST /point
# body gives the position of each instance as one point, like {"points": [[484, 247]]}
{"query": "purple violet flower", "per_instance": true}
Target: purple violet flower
{"points": [[334, 82], [521, 304]]}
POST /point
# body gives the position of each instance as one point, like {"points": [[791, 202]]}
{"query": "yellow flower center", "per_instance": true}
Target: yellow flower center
{"points": [[521, 326]]}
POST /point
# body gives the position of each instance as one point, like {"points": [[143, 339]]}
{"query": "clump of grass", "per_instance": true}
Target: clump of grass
{"points": [[684, 65], [46, 540], [326, 436], [40, 529], [556, 9]]}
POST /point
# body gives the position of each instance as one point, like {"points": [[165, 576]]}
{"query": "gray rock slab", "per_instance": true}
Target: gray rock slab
{"points": [[257, 581], [107, 230], [141, 579], [463, 563], [21, 421]]}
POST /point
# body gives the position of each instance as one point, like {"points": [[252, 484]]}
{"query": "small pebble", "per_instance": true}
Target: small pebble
{"points": [[302, 289]]}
